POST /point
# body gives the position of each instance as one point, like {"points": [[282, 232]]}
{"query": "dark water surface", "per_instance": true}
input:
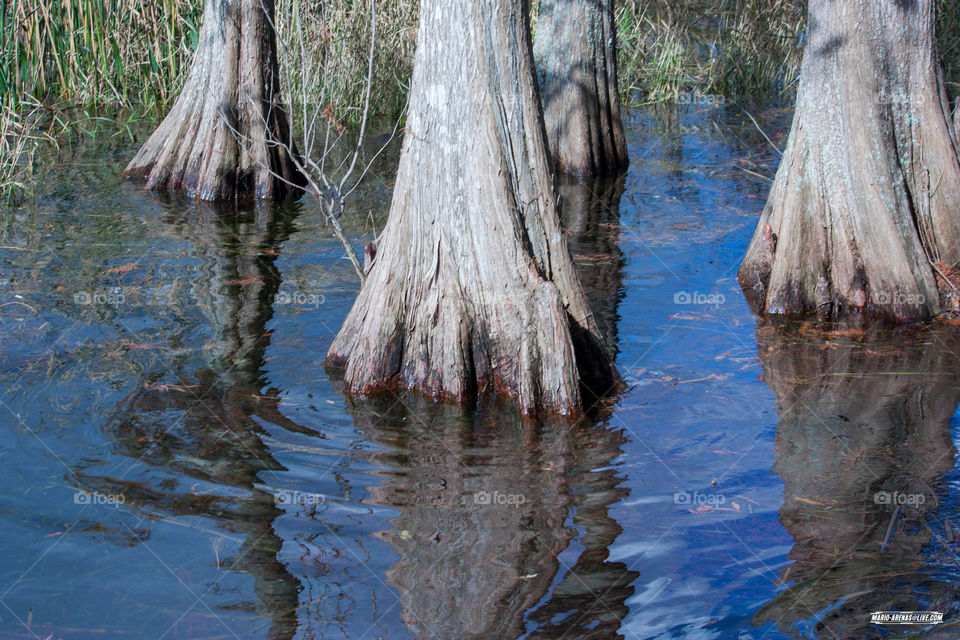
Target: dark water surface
{"points": [[177, 463]]}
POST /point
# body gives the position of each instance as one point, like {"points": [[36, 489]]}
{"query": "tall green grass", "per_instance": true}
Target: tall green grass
{"points": [[324, 51], [110, 53], [731, 48], [18, 147], [134, 53], [98, 54]]}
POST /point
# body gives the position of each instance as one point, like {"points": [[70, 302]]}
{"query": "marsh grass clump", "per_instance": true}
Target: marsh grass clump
{"points": [[19, 144], [723, 48], [104, 55], [110, 53], [760, 48], [123, 54], [327, 45]]}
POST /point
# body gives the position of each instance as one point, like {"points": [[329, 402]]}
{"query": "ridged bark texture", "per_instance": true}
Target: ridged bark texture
{"points": [[866, 197], [473, 287], [576, 58], [232, 87]]}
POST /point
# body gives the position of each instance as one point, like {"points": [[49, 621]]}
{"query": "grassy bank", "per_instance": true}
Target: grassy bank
{"points": [[132, 55], [110, 53], [122, 54], [724, 49]]}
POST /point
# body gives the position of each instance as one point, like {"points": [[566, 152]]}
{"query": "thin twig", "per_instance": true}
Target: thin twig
{"points": [[366, 98], [755, 174], [765, 137], [327, 199]]}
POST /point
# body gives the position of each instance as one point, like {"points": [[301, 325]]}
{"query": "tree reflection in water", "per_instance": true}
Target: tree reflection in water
{"points": [[863, 416], [590, 214], [194, 421], [464, 569], [485, 500]]}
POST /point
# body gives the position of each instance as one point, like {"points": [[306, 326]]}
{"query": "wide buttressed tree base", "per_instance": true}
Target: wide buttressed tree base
{"points": [[473, 288], [218, 140], [862, 216], [576, 57]]}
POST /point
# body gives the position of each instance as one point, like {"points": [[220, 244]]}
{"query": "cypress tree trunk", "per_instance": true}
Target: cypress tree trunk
{"points": [[865, 201], [576, 56], [232, 88], [473, 287]]}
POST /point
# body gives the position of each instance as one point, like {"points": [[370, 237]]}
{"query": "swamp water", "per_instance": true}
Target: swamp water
{"points": [[178, 464]]}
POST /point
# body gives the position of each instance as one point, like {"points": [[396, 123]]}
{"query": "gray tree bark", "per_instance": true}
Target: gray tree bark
{"points": [[862, 216], [576, 57], [473, 288], [215, 141]]}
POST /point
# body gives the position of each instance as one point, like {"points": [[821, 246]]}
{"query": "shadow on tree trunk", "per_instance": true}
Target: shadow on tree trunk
{"points": [[590, 215], [576, 56]]}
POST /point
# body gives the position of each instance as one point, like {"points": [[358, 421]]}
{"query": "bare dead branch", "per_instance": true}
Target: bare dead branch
{"points": [[329, 188]]}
